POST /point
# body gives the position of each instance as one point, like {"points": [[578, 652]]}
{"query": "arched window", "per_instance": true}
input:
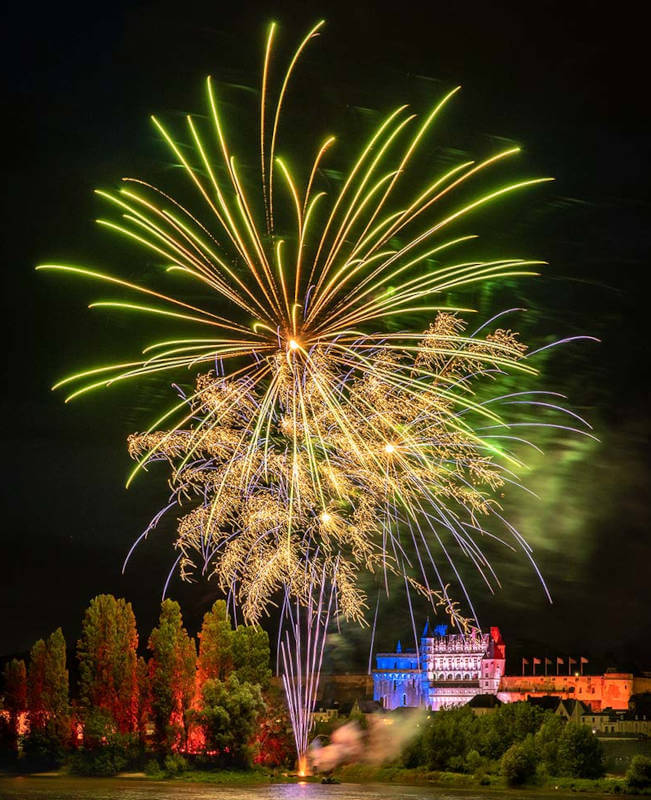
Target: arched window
{"points": [[404, 699], [457, 677]]}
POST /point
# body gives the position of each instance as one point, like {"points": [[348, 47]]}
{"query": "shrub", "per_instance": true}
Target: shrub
{"points": [[473, 763], [580, 753], [42, 751], [518, 764], [152, 768], [413, 754], [638, 775], [104, 761], [174, 764]]}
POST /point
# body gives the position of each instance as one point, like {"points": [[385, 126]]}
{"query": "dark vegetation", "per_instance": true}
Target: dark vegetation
{"points": [[520, 741], [208, 704]]}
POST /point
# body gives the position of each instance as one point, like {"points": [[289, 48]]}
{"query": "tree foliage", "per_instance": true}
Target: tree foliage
{"points": [[172, 674], [580, 753], [250, 648], [215, 644], [107, 661], [638, 775], [273, 742], [228, 713], [457, 740], [15, 699], [47, 703], [518, 764]]}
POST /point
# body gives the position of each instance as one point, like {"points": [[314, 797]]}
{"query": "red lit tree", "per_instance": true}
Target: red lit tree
{"points": [[36, 686], [47, 703], [273, 742], [144, 698], [172, 675], [47, 684], [107, 662], [15, 698]]}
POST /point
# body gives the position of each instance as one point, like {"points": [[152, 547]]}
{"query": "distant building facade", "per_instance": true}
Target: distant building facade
{"points": [[449, 669], [610, 690]]}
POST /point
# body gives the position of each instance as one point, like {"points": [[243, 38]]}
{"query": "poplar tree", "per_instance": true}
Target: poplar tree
{"points": [[215, 644], [107, 662], [15, 693], [250, 649], [36, 686], [172, 676], [56, 696], [144, 698], [47, 702]]}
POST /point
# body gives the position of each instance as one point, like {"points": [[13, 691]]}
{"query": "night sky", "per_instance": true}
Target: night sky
{"points": [[568, 86]]}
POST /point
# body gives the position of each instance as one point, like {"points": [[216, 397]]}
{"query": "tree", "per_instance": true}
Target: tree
{"points": [[56, 690], [223, 650], [508, 724], [518, 764], [172, 675], [47, 702], [227, 714], [47, 685], [107, 662], [448, 737], [580, 753], [36, 685], [273, 744], [215, 644], [106, 751], [250, 652], [15, 682], [638, 774], [144, 698], [547, 739]]}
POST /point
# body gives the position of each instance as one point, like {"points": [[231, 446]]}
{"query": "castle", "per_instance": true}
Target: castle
{"points": [[447, 670], [450, 669]]}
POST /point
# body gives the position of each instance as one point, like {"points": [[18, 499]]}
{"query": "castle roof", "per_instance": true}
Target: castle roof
{"points": [[484, 701]]}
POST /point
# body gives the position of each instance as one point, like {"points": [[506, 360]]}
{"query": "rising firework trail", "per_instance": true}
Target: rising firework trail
{"points": [[319, 437]]}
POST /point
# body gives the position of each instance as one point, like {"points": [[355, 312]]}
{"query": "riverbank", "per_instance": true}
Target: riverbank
{"points": [[366, 774]]}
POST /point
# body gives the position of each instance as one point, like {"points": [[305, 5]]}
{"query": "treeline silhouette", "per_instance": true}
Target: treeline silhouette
{"points": [[209, 701]]}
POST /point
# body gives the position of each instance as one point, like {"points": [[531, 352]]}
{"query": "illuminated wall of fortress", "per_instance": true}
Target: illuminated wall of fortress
{"points": [[450, 669]]}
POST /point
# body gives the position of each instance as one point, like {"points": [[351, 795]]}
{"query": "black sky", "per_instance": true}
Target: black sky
{"points": [[569, 84]]}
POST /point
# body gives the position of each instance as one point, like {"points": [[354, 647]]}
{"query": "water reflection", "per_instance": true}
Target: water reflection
{"points": [[113, 789], [64, 788]]}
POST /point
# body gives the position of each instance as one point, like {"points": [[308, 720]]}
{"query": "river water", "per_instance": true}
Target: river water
{"points": [[64, 788]]}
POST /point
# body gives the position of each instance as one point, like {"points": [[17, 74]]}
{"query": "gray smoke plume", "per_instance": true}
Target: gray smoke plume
{"points": [[386, 737]]}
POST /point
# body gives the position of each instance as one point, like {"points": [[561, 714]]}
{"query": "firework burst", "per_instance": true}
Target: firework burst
{"points": [[319, 439]]}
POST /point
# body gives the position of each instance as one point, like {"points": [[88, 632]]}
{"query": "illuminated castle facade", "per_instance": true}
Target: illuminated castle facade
{"points": [[449, 669]]}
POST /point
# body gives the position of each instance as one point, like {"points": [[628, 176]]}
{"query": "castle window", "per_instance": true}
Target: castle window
{"points": [[404, 699]]}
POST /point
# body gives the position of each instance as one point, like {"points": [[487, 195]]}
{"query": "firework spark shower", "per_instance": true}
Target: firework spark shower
{"points": [[341, 414]]}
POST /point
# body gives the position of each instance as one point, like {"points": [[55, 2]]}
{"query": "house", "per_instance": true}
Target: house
{"points": [[484, 704]]}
